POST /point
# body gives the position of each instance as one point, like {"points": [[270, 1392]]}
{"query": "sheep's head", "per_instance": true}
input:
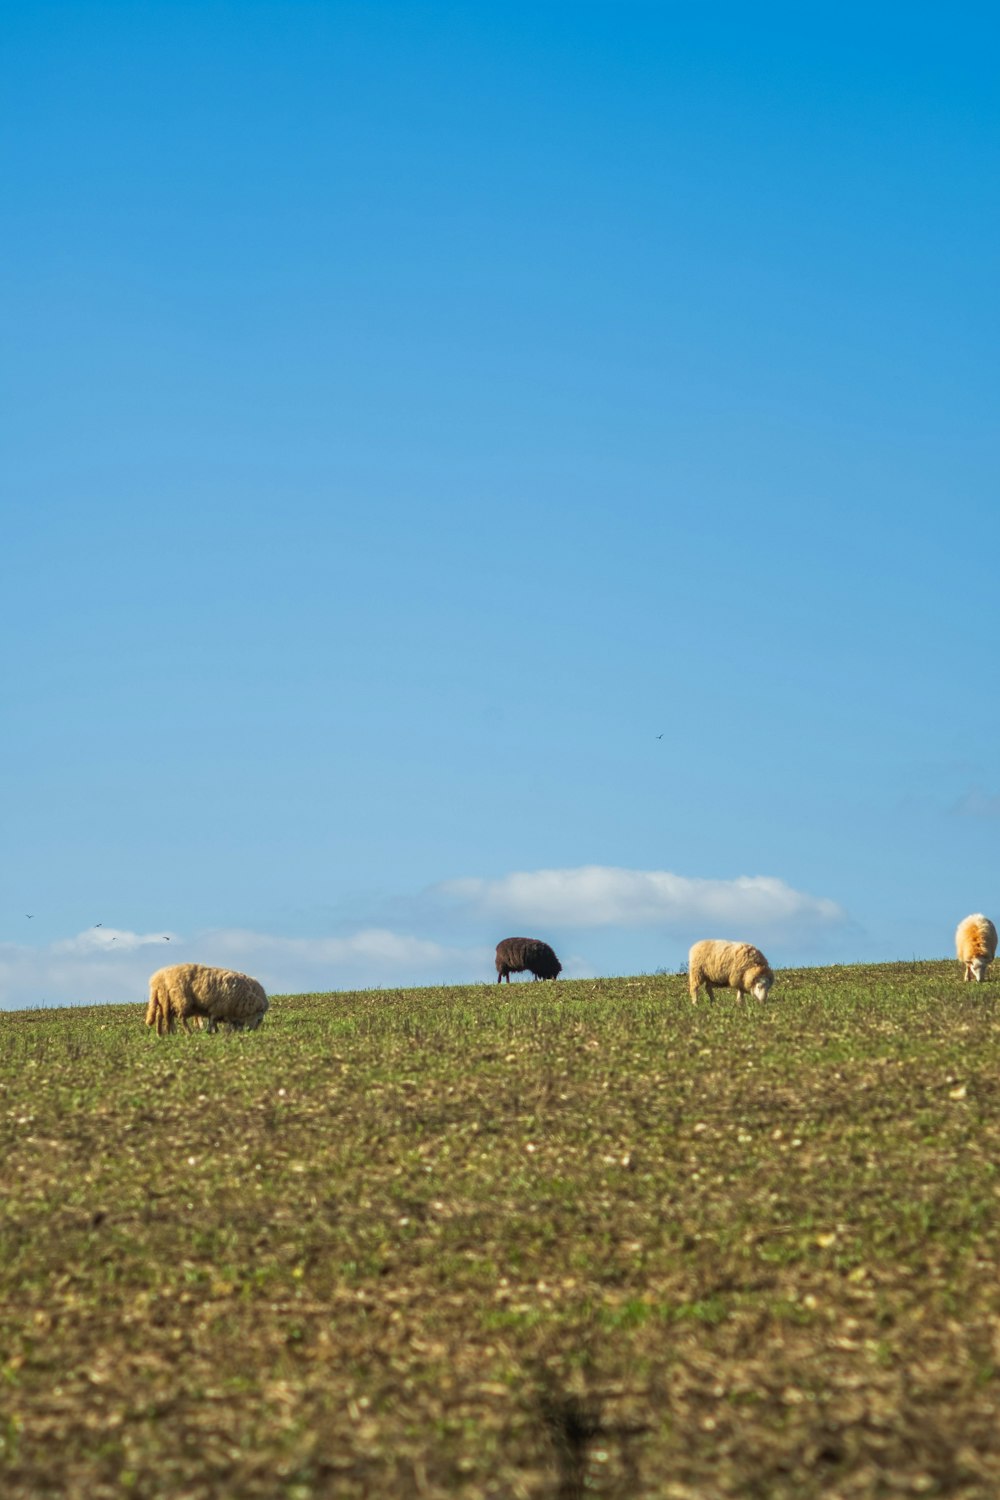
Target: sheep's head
{"points": [[759, 982], [977, 967]]}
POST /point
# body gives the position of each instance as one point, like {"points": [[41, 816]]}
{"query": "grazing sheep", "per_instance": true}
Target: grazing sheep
{"points": [[737, 966], [976, 945], [186, 991], [516, 954]]}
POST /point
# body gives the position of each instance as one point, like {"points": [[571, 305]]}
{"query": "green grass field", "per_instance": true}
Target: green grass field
{"points": [[553, 1240]]}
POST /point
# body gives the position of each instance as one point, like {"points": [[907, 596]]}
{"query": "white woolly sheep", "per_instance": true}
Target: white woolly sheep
{"points": [[976, 945], [185, 991], [737, 966]]}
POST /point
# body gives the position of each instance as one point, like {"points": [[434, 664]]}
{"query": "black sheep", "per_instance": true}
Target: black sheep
{"points": [[516, 954]]}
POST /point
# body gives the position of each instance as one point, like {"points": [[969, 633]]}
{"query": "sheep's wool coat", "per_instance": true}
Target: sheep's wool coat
{"points": [[975, 944], [186, 991], [736, 966], [515, 954]]}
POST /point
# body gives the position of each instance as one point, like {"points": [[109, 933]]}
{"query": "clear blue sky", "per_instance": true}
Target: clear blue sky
{"points": [[411, 411]]}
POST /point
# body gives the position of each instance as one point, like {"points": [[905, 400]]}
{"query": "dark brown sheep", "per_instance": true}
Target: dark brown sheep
{"points": [[514, 955]]}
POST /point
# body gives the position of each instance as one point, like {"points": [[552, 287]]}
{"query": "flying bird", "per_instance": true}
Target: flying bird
{"points": [[660, 736], [165, 938], [30, 916], [98, 924]]}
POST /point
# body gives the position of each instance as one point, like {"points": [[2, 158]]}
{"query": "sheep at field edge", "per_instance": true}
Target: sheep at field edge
{"points": [[735, 966], [185, 991], [976, 945], [515, 954]]}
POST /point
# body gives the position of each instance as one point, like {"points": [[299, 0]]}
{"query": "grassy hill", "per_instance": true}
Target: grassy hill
{"points": [[551, 1240]]}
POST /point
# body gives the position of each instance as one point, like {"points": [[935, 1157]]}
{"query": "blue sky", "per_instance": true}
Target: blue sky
{"points": [[412, 411]]}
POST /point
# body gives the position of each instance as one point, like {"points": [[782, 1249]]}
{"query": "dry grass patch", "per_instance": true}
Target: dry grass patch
{"points": [[569, 1239]]}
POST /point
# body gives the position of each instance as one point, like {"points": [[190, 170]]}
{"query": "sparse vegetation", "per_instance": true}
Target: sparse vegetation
{"points": [[562, 1239]]}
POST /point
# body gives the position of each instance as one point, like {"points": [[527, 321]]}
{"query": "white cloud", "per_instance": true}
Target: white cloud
{"points": [[603, 896], [104, 939], [108, 965], [372, 956]]}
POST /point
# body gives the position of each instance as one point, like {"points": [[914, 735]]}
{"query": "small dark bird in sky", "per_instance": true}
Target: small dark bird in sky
{"points": [[30, 916], [165, 938], [660, 736], [98, 924]]}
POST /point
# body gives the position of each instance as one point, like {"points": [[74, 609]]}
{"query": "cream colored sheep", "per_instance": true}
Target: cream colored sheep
{"points": [[736, 966], [185, 991], [976, 945]]}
